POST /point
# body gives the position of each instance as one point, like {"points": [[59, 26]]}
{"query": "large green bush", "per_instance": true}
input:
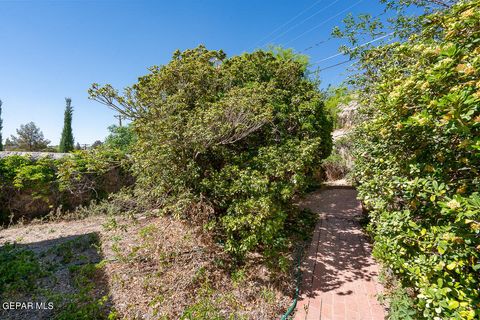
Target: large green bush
{"points": [[121, 137], [418, 161], [230, 138], [30, 187]]}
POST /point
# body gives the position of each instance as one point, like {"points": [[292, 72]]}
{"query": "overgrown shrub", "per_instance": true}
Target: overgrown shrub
{"points": [[31, 187], [335, 167], [232, 138], [418, 160]]}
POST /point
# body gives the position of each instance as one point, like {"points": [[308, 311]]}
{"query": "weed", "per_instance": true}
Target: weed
{"points": [[238, 276], [268, 295], [205, 307], [401, 306], [110, 224], [200, 275], [208, 306], [147, 231], [66, 250], [84, 304]]}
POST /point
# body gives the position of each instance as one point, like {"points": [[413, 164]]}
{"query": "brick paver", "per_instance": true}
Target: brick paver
{"points": [[339, 273]]}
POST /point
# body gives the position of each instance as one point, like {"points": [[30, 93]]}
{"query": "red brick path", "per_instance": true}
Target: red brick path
{"points": [[339, 274]]}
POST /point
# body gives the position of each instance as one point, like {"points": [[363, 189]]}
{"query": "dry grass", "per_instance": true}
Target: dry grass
{"points": [[164, 268], [152, 268]]}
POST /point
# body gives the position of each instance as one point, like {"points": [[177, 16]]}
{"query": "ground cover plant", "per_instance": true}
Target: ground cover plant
{"points": [[62, 275], [226, 141], [417, 160], [19, 269]]}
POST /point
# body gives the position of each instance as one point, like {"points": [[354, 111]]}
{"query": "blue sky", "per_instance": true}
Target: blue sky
{"points": [[50, 50]]}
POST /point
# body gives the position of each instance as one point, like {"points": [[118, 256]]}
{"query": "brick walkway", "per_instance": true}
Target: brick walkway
{"points": [[339, 274]]}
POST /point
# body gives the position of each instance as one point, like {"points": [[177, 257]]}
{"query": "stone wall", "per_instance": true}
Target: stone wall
{"points": [[30, 201], [34, 155]]}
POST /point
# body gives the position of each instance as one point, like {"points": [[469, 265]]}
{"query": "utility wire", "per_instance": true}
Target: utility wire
{"points": [[335, 65], [286, 23], [328, 58], [331, 38], [357, 47], [315, 45], [304, 20], [325, 21]]}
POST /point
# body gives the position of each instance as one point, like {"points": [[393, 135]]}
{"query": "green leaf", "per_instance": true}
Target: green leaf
{"points": [[440, 282], [451, 265], [442, 247], [453, 304]]}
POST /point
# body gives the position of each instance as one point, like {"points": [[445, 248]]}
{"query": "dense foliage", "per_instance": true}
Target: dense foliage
{"points": [[418, 160], [335, 97], [122, 138], [232, 139], [66, 140], [30, 187]]}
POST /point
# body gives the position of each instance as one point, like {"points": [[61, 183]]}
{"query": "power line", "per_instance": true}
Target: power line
{"points": [[286, 23], [325, 21], [357, 47], [315, 45], [335, 65], [306, 19], [331, 38], [328, 58]]}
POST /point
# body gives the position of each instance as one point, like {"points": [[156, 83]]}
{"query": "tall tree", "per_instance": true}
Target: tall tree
{"points": [[8, 146], [67, 142], [30, 138], [1, 127], [96, 144]]}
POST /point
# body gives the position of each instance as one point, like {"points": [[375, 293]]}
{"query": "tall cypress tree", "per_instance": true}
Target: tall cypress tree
{"points": [[66, 142], [1, 127]]}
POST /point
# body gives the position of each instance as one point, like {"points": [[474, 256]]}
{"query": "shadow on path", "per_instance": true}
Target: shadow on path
{"points": [[339, 274]]}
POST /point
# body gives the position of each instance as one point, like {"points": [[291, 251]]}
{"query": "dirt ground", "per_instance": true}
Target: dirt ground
{"points": [[37, 233], [145, 268]]}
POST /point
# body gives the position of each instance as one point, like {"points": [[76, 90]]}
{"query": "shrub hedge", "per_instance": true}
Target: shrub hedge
{"points": [[418, 160], [32, 187], [232, 139]]}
